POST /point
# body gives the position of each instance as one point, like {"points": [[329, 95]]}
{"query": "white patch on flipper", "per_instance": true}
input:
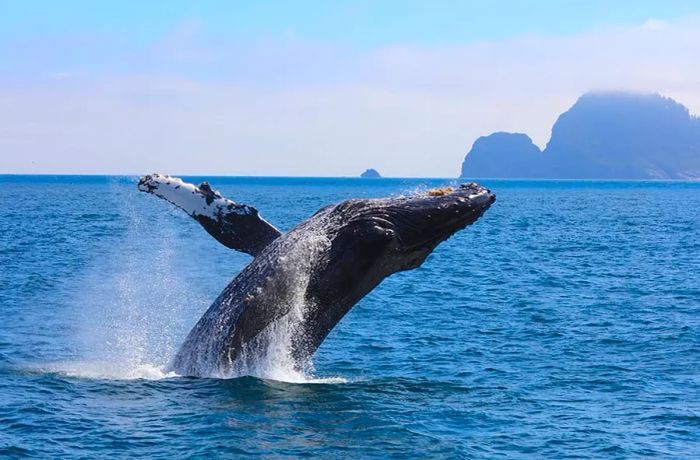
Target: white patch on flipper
{"points": [[189, 198]]}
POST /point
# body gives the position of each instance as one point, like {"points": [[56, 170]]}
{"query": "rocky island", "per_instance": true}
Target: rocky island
{"points": [[371, 174], [604, 135]]}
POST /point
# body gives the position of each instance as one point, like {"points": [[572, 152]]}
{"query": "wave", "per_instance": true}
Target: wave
{"points": [[102, 370]]}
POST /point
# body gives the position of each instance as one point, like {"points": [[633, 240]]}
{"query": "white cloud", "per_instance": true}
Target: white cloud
{"points": [[206, 105]]}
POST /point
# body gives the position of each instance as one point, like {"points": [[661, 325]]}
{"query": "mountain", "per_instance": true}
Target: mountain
{"points": [[502, 155], [371, 174], [605, 135]]}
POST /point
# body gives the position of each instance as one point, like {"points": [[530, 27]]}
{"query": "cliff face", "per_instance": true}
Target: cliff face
{"points": [[502, 155], [626, 136], [606, 136]]}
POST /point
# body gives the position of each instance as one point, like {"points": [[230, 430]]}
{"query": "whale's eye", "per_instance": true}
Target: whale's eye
{"points": [[378, 234]]}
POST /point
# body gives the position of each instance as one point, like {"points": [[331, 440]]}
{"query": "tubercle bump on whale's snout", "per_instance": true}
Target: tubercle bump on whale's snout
{"points": [[479, 191], [469, 193]]}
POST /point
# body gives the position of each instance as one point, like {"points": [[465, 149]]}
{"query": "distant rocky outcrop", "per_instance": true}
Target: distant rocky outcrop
{"points": [[371, 174], [608, 135], [502, 155]]}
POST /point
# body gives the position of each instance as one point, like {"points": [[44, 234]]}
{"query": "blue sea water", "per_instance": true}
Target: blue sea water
{"points": [[563, 324]]}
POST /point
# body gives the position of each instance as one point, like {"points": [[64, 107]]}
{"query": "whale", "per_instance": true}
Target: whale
{"points": [[300, 284]]}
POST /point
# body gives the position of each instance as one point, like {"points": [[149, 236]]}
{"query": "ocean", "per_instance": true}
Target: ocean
{"points": [[565, 323]]}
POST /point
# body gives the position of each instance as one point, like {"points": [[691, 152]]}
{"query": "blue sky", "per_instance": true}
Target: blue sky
{"points": [[357, 23], [315, 88]]}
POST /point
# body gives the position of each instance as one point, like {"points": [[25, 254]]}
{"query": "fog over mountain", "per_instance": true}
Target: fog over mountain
{"points": [[604, 135]]}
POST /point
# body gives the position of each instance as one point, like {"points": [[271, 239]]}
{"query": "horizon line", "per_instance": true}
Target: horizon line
{"points": [[466, 179]]}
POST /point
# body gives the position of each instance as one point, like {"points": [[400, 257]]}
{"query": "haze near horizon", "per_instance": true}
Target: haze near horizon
{"points": [[247, 88]]}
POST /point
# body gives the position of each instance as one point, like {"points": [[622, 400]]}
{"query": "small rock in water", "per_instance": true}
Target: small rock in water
{"points": [[370, 174]]}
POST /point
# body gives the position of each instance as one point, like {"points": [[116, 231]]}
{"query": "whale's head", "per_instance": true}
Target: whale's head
{"points": [[399, 233], [377, 237], [371, 239]]}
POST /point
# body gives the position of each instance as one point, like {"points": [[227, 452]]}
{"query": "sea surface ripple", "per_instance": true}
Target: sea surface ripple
{"points": [[564, 324]]}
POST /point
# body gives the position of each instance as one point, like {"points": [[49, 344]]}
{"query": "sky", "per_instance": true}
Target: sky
{"points": [[316, 88]]}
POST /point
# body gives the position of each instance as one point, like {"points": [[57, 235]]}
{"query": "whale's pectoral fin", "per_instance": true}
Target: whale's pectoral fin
{"points": [[236, 226]]}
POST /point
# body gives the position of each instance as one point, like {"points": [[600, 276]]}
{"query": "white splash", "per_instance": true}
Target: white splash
{"points": [[133, 306], [132, 303], [108, 370]]}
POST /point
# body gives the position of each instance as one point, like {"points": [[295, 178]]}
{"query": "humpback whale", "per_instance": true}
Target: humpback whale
{"points": [[300, 284]]}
